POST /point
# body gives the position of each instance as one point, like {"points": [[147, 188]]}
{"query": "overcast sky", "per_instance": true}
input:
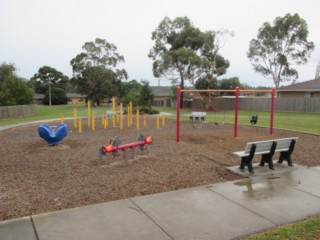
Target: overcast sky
{"points": [[35, 33]]}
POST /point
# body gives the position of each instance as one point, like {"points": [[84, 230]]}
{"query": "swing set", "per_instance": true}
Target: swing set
{"points": [[237, 91]]}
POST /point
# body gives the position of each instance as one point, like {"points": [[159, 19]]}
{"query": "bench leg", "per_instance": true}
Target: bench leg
{"points": [[286, 156], [246, 161], [267, 158]]}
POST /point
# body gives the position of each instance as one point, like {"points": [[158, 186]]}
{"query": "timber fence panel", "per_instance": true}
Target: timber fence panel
{"points": [[17, 111]]}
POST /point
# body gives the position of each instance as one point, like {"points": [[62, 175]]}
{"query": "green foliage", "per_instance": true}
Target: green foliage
{"points": [[14, 91], [146, 96], [6, 70], [130, 91], [148, 110], [45, 75], [95, 72], [278, 46], [183, 52], [58, 97]]}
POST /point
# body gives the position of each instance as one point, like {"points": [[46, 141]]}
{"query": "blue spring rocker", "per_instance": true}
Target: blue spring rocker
{"points": [[53, 134]]}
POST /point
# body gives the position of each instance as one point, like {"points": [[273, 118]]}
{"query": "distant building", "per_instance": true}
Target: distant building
{"points": [[163, 96], [73, 98], [307, 89]]}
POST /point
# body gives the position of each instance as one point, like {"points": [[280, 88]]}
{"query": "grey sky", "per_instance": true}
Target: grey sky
{"points": [[35, 33]]}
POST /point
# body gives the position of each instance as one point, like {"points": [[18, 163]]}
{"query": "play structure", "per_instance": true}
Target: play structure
{"points": [[115, 147], [237, 92], [116, 118], [53, 134]]}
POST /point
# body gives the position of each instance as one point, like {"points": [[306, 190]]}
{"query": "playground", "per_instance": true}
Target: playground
{"points": [[38, 178]]}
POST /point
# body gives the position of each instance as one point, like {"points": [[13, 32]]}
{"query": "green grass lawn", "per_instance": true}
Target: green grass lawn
{"points": [[307, 229], [306, 122]]}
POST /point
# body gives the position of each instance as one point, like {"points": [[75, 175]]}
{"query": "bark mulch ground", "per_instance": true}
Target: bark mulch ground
{"points": [[37, 178]]}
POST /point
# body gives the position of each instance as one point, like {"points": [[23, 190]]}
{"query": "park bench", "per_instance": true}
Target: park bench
{"points": [[197, 116], [267, 149]]}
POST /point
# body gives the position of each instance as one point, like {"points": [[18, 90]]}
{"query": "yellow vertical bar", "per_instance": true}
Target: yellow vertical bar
{"points": [[61, 120], [163, 120], [75, 118], [89, 114], [80, 125], [130, 113], [158, 122], [137, 119], [145, 120], [93, 121], [121, 117]]}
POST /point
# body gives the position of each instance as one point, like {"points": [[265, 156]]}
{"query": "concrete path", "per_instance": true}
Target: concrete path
{"points": [[220, 211]]}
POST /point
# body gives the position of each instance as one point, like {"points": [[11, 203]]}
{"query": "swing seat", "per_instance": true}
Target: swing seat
{"points": [[254, 119]]}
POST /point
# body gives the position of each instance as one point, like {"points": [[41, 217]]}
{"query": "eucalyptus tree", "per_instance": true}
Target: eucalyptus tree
{"points": [[184, 53], [278, 46], [95, 70]]}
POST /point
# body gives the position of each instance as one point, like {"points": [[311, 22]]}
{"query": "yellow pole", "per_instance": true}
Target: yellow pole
{"points": [[145, 120], [137, 119], [105, 124], [158, 122], [102, 119], [130, 113], [121, 117], [92, 120], [80, 125], [89, 113], [163, 120], [61, 120], [75, 118]]}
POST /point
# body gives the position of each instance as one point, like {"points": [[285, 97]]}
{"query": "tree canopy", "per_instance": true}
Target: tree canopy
{"points": [[13, 89], [95, 72], [47, 74], [280, 45], [184, 53]]}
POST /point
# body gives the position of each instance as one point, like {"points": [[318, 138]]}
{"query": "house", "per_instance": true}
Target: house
{"points": [[163, 96], [307, 89], [73, 98], [76, 98]]}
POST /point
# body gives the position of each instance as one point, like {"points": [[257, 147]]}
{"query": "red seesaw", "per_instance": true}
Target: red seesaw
{"points": [[115, 146]]}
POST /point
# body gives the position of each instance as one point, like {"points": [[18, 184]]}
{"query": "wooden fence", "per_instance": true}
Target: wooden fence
{"points": [[17, 111]]}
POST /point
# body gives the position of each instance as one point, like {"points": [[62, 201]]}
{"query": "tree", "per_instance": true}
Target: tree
{"points": [[14, 91], [146, 95], [94, 70], [58, 97], [47, 75], [6, 70], [278, 46], [183, 53]]}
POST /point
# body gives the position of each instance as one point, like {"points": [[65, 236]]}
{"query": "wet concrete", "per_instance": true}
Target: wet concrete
{"points": [[226, 210]]}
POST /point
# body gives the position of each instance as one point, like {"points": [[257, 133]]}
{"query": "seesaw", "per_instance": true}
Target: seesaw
{"points": [[53, 134], [115, 146]]}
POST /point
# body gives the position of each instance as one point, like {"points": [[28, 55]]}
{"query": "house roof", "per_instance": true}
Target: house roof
{"points": [[162, 91], [311, 85], [76, 95]]}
